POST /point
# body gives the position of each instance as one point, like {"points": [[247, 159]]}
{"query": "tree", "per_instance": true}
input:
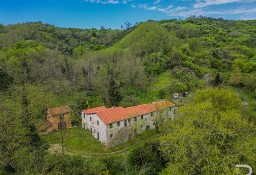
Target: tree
{"points": [[210, 136], [148, 158], [5, 79], [217, 80], [236, 77], [21, 150], [114, 94], [79, 52]]}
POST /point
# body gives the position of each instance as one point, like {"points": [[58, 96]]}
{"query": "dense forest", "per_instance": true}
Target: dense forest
{"points": [[44, 66]]}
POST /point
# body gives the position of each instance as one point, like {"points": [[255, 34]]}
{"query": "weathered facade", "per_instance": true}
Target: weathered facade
{"points": [[57, 118], [116, 125]]}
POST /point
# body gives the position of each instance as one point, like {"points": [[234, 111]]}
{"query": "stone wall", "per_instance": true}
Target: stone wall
{"points": [[121, 134]]}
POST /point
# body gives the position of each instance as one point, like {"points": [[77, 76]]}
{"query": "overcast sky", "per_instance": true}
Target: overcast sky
{"points": [[114, 13]]}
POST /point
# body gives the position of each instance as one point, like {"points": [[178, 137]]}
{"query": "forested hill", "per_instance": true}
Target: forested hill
{"points": [[194, 51], [61, 39], [43, 66]]}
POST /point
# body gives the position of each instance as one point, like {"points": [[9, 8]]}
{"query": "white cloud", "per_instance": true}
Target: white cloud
{"points": [[180, 8], [245, 9], [155, 8], [109, 1], [205, 3], [237, 11], [244, 13], [157, 2]]}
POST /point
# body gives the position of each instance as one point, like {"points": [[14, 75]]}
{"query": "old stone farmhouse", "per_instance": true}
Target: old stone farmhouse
{"points": [[115, 125], [57, 118]]}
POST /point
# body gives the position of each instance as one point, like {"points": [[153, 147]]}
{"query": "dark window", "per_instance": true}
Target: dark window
{"points": [[91, 130], [170, 109], [125, 123], [61, 117], [111, 125], [98, 136], [111, 135], [141, 117], [61, 125], [90, 118], [118, 123], [152, 114], [98, 122], [84, 115], [135, 119], [129, 120]]}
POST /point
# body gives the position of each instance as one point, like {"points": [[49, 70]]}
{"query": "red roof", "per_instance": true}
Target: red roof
{"points": [[139, 110], [94, 110], [113, 115], [110, 115], [59, 110]]}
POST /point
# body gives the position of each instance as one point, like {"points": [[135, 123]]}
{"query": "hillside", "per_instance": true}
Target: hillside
{"points": [[64, 40], [197, 52], [44, 66]]}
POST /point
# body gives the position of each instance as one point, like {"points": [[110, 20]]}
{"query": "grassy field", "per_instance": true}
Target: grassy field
{"points": [[75, 139], [161, 82], [81, 142]]}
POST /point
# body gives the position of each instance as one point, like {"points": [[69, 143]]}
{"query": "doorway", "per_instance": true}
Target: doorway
{"points": [[98, 136]]}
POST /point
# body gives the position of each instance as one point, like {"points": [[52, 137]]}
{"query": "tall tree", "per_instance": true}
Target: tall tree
{"points": [[236, 77], [5, 79], [217, 80], [114, 94]]}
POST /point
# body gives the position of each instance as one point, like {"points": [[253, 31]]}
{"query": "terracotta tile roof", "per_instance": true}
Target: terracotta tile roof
{"points": [[148, 108], [139, 110], [94, 110], [111, 115], [159, 105], [59, 110]]}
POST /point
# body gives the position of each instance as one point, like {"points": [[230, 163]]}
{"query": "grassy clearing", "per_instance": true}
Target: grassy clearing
{"points": [[75, 139], [161, 82], [81, 142]]}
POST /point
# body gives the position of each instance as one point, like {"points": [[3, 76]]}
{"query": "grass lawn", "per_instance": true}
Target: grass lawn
{"points": [[80, 141], [75, 139]]}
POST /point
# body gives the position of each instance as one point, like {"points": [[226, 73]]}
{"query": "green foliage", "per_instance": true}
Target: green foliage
{"points": [[148, 156], [79, 52], [217, 80], [147, 38], [5, 80], [74, 165], [114, 95], [18, 136], [45, 66], [208, 131], [64, 40], [220, 98], [236, 77]]}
